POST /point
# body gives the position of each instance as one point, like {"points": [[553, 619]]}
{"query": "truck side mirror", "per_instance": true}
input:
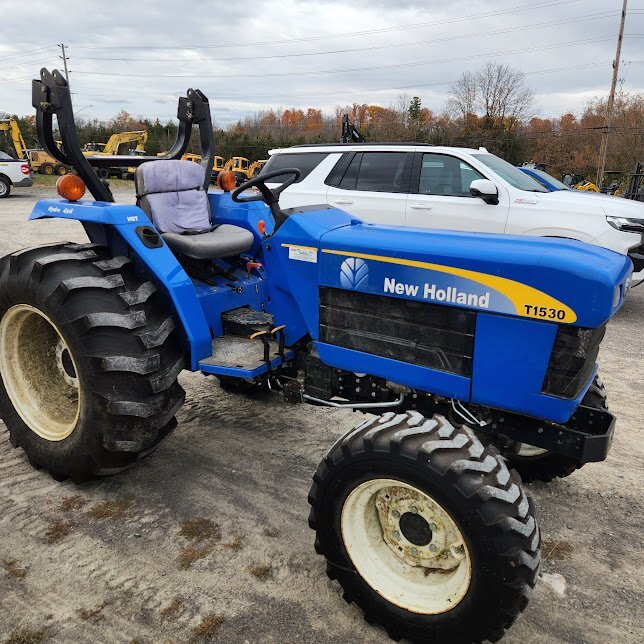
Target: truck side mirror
{"points": [[486, 190]]}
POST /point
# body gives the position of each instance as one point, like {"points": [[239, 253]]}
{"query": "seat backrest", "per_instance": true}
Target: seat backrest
{"points": [[171, 194]]}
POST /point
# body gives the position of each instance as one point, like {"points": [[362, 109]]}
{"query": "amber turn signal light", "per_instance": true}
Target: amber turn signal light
{"points": [[227, 181], [261, 226], [70, 187]]}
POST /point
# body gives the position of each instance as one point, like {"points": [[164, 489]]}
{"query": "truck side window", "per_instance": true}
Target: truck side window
{"points": [[305, 162], [446, 175], [350, 176], [381, 172]]}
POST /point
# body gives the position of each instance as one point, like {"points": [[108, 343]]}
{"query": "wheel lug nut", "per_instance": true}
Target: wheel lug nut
{"points": [[414, 509], [432, 547], [432, 527], [414, 551], [396, 534], [396, 514]]}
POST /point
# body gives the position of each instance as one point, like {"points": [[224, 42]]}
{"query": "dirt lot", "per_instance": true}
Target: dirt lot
{"points": [[110, 561]]}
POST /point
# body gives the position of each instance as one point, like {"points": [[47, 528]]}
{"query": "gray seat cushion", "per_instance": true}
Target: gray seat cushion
{"points": [[171, 194], [225, 241]]}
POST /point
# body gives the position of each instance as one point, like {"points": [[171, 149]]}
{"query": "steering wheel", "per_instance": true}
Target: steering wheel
{"points": [[269, 197]]}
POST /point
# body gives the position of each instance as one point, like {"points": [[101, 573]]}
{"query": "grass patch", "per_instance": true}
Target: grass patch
{"points": [[263, 572], [190, 554], [556, 549], [175, 609], [236, 544], [93, 614], [57, 530], [28, 636], [200, 529], [71, 503], [113, 510], [207, 629], [13, 569]]}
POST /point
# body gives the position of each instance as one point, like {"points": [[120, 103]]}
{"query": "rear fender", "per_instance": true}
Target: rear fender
{"points": [[115, 226]]}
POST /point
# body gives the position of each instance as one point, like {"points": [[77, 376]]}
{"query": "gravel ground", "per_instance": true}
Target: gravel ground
{"points": [[102, 562]]}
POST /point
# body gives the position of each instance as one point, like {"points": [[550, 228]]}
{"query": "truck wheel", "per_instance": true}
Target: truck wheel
{"points": [[5, 188], [103, 173], [47, 168], [538, 464], [89, 360], [61, 170], [425, 529]]}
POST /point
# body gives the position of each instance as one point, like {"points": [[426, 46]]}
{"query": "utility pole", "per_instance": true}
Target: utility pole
{"points": [[603, 148], [65, 59]]}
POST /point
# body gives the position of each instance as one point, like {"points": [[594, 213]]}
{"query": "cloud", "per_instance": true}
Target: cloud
{"points": [[308, 53]]}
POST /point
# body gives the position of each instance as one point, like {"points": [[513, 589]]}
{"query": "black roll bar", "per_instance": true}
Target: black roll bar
{"points": [[51, 95]]}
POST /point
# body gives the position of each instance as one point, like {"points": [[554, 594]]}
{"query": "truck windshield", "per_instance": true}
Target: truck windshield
{"points": [[512, 175]]}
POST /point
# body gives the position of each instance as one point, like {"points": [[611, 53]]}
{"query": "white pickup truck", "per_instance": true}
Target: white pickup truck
{"points": [[13, 172], [457, 189]]}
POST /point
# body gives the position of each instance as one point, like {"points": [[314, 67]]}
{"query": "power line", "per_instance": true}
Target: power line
{"points": [[28, 51], [316, 93], [595, 16], [348, 70], [486, 14]]}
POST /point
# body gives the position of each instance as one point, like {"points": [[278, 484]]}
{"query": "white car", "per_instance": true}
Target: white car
{"points": [[13, 172], [456, 189]]}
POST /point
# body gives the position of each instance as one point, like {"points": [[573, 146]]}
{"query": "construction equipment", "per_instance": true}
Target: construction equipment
{"points": [[39, 160], [350, 133], [463, 345], [256, 167], [11, 126], [218, 165], [117, 144], [240, 167]]}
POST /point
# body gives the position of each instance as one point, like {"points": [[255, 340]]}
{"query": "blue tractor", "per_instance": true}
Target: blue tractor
{"points": [[466, 350]]}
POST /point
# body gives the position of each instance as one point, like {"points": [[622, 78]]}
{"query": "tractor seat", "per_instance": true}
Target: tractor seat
{"points": [[172, 195]]}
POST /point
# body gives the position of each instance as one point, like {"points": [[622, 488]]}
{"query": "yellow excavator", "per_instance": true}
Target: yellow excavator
{"points": [[114, 147], [256, 167], [39, 160]]}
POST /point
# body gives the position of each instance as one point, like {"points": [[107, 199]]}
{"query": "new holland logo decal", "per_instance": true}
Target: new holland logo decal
{"points": [[442, 284], [354, 273]]}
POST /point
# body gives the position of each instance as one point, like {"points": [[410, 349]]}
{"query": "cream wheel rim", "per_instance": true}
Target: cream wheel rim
{"points": [[406, 546], [39, 373], [530, 451]]}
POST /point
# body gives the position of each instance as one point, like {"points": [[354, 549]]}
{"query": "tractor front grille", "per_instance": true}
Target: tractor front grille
{"points": [[420, 333], [572, 360]]}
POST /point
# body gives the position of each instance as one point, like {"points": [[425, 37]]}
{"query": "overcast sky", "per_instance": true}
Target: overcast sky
{"points": [[138, 55]]}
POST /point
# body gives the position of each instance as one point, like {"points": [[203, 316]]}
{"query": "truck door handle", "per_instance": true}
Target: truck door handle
{"points": [[343, 201], [418, 206]]}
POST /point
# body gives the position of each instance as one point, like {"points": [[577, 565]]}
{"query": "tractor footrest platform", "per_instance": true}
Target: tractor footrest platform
{"points": [[586, 437], [241, 357]]}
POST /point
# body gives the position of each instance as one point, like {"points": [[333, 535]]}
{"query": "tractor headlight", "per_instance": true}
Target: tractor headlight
{"points": [[626, 224]]}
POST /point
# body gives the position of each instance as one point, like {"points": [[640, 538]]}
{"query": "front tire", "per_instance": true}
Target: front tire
{"points": [[5, 187], [425, 529], [89, 360], [536, 464]]}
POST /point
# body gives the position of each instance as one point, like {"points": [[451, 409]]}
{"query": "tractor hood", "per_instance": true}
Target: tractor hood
{"points": [[552, 280]]}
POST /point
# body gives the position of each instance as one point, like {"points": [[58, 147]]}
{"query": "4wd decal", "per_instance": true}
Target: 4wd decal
{"points": [[442, 284]]}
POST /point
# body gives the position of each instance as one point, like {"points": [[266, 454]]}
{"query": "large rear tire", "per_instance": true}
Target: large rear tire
{"points": [[536, 464], [89, 360], [425, 529]]}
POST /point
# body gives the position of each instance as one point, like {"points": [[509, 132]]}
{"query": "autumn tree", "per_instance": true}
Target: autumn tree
{"points": [[497, 92]]}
